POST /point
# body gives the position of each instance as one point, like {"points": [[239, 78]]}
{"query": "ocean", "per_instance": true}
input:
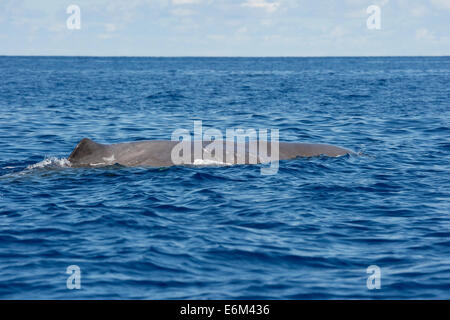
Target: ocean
{"points": [[314, 230]]}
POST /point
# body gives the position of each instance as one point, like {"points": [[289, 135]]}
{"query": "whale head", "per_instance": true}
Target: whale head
{"points": [[90, 153]]}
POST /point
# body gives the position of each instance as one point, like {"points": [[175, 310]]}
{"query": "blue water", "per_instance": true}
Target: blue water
{"points": [[310, 231]]}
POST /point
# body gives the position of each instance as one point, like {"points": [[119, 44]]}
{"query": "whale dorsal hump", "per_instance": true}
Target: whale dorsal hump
{"points": [[84, 148]]}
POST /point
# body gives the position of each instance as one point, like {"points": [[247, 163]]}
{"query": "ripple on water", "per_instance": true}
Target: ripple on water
{"points": [[226, 232]]}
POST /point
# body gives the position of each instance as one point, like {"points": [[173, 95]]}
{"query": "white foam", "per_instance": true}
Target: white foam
{"points": [[50, 162]]}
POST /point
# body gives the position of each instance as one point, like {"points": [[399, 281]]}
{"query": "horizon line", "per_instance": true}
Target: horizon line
{"points": [[213, 56]]}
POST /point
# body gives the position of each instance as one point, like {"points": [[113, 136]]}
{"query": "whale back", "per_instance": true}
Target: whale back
{"points": [[158, 153], [88, 152]]}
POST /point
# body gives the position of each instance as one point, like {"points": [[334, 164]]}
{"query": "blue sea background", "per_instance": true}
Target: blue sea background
{"points": [[308, 232]]}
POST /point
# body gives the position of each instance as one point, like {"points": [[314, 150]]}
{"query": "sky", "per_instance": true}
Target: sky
{"points": [[225, 28]]}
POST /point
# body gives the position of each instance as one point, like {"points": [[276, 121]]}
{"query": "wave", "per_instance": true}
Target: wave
{"points": [[50, 162], [21, 168]]}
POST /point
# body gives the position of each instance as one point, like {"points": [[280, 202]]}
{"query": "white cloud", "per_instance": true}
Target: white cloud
{"points": [[262, 4], [337, 32], [183, 12], [242, 30], [57, 27], [424, 34], [267, 22], [419, 11], [362, 3], [216, 37], [105, 36], [445, 4], [234, 27], [109, 27], [180, 2], [272, 38]]}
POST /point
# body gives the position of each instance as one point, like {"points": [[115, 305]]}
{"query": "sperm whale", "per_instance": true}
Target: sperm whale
{"points": [[164, 153]]}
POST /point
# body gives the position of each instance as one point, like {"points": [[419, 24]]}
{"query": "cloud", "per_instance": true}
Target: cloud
{"points": [[182, 12], [443, 4], [218, 27], [337, 32], [419, 11], [105, 36], [216, 37], [110, 27], [262, 4], [424, 34], [242, 30], [181, 2]]}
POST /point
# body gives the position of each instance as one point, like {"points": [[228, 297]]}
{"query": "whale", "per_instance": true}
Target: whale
{"points": [[160, 153]]}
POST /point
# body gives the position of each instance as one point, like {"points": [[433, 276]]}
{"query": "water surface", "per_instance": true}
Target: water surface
{"points": [[308, 232]]}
